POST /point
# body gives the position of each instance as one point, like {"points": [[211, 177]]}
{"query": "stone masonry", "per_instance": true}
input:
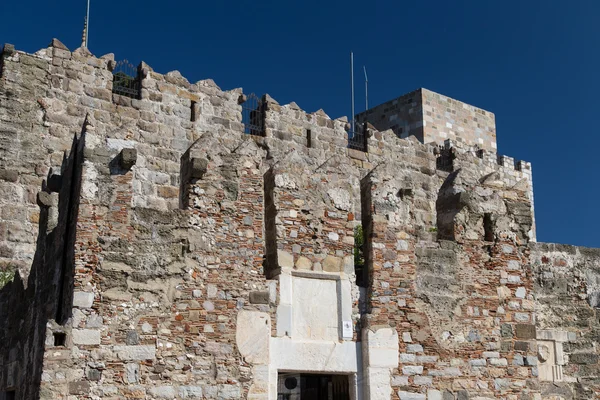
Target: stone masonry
{"points": [[433, 117], [162, 253]]}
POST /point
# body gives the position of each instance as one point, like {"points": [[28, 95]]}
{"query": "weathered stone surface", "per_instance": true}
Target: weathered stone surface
{"points": [[127, 158], [525, 331], [163, 392], [286, 260], [83, 299], [259, 297], [132, 373], [132, 338], [198, 167], [86, 336], [79, 387], [332, 264], [141, 352], [252, 336]]}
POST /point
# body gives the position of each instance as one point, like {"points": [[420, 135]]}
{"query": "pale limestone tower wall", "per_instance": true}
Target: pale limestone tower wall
{"points": [[433, 118]]}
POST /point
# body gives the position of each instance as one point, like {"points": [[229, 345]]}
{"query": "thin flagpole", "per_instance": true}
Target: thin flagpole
{"points": [[352, 81], [87, 31], [366, 89]]}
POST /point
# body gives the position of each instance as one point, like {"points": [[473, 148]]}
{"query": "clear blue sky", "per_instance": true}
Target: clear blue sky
{"points": [[534, 63]]}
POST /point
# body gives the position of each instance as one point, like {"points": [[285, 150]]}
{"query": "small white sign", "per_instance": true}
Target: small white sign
{"points": [[347, 329]]}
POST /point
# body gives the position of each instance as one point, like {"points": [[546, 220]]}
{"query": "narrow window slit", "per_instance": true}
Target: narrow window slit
{"points": [[60, 339], [308, 138], [488, 227], [193, 111]]}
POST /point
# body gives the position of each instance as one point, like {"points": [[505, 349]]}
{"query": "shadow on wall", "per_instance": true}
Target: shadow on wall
{"points": [[450, 202], [27, 307]]}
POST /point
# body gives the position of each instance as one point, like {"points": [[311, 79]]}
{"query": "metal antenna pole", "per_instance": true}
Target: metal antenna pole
{"points": [[352, 79], [366, 89], [87, 31]]}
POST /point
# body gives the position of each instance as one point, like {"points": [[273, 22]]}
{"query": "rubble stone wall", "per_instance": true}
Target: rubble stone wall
{"points": [[567, 293]]}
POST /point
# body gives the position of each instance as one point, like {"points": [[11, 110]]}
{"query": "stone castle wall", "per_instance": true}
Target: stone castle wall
{"points": [[205, 260], [567, 287]]}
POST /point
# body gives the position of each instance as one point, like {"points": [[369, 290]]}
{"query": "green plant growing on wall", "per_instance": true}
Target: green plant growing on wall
{"points": [[359, 256], [6, 277], [359, 241]]}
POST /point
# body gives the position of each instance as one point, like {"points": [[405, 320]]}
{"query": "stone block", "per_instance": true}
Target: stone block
{"points": [[521, 346], [303, 263], [86, 337], [506, 346], [285, 259], [332, 264], [383, 347], [422, 380], [94, 374], [411, 396], [132, 338], [132, 373], [198, 167], [163, 392], [414, 348], [8, 49], [139, 352], [83, 299], [450, 371], [506, 330], [525, 331], [583, 358], [259, 297], [127, 158], [433, 394], [412, 370], [399, 380], [190, 392], [491, 354], [253, 331], [79, 387]]}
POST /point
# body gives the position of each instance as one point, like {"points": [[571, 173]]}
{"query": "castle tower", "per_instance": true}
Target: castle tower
{"points": [[433, 118]]}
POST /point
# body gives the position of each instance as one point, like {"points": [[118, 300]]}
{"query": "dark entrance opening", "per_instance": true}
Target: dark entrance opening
{"points": [[8, 395], [295, 386]]}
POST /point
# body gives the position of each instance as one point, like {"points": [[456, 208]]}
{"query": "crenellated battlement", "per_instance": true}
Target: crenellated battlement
{"points": [[61, 87]]}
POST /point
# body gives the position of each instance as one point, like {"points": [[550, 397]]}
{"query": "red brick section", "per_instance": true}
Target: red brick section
{"points": [[233, 223]]}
